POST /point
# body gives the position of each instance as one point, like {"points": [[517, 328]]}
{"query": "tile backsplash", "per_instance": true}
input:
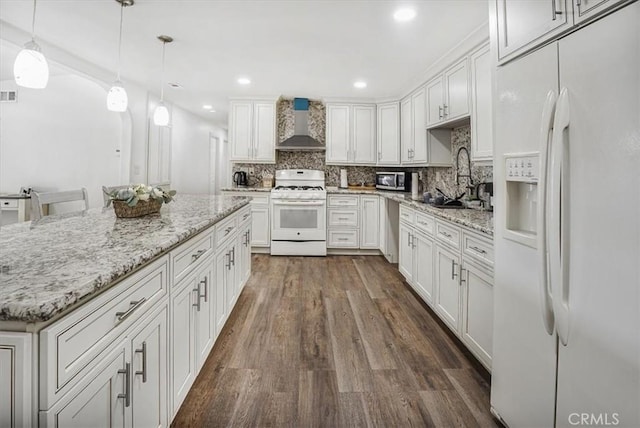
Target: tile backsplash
{"points": [[442, 178]]}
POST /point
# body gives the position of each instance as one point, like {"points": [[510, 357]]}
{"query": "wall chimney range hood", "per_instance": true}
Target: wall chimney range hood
{"points": [[301, 141]]}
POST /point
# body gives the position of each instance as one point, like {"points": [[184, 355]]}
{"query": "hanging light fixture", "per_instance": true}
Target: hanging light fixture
{"points": [[117, 99], [161, 114], [31, 69]]}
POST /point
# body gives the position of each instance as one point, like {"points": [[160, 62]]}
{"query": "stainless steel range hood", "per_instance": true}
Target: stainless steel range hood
{"points": [[301, 141]]}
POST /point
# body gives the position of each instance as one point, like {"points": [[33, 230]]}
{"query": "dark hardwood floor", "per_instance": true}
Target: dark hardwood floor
{"points": [[339, 341]]}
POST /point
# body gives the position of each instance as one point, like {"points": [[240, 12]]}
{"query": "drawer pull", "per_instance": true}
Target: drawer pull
{"points": [[143, 372], [423, 223], [127, 382], [445, 234], [244, 217], [197, 255], [228, 230], [478, 250], [343, 218], [343, 239], [134, 305]]}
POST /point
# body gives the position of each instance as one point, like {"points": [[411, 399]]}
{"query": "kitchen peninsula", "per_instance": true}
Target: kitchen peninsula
{"points": [[96, 310]]}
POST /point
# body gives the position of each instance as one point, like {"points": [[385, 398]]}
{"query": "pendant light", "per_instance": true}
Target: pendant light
{"points": [[31, 69], [117, 99], [161, 114]]}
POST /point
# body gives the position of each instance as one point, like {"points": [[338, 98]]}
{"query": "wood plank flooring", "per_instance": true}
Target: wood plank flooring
{"points": [[339, 341]]}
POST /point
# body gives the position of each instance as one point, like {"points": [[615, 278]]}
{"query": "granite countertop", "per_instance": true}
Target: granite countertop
{"points": [[49, 265], [479, 220], [246, 189], [14, 196]]}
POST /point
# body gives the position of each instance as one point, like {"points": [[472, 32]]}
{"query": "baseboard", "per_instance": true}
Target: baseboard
{"points": [[352, 252], [260, 250]]}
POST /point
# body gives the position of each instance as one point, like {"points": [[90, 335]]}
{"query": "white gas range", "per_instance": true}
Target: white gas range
{"points": [[298, 213]]}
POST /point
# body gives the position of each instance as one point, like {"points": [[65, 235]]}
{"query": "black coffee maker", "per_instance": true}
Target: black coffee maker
{"points": [[240, 179]]}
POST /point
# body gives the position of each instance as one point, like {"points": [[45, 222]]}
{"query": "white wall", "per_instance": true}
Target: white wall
{"points": [[60, 138]]}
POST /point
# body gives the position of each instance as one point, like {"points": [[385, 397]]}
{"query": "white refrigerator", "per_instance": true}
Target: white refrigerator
{"points": [[567, 243]]}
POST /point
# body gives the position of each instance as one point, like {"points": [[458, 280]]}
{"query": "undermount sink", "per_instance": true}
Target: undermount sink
{"points": [[450, 207]]}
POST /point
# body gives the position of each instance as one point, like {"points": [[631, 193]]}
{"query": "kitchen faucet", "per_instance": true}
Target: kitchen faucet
{"points": [[458, 175]]}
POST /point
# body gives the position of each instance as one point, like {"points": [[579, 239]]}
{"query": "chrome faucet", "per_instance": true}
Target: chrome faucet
{"points": [[458, 175]]}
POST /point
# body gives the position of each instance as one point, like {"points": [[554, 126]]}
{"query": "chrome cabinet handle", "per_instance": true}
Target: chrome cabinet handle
{"points": [[453, 269], [143, 351], [444, 110], [555, 12], [134, 305], [462, 275], [245, 216], [408, 239], [343, 218], [228, 230], [127, 382], [440, 110], [228, 265], [379, 155], [197, 255], [343, 239], [413, 241], [206, 292], [443, 233], [197, 303], [233, 256], [478, 250]]}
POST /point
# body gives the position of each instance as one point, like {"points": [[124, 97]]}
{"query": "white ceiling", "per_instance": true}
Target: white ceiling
{"points": [[299, 48]]}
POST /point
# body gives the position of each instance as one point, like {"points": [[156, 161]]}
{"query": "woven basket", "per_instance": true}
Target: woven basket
{"points": [[142, 208]]}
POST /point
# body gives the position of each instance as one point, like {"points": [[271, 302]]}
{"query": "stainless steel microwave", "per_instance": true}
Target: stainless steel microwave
{"points": [[398, 180]]}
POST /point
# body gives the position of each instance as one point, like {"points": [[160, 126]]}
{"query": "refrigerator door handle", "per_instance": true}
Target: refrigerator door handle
{"points": [[559, 227], [546, 129]]}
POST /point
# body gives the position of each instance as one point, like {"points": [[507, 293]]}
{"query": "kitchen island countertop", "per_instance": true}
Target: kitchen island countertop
{"points": [[48, 266]]}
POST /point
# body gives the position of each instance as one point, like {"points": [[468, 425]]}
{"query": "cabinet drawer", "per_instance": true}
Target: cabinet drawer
{"points": [[74, 344], [342, 201], [407, 214], [9, 204], [259, 199], [225, 229], [478, 248], [183, 260], [342, 218], [244, 215], [425, 223], [448, 233], [338, 238]]}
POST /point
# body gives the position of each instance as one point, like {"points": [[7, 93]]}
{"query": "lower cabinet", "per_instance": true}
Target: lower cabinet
{"points": [[353, 222], [477, 318], [416, 261], [15, 373], [244, 255], [370, 221], [261, 227], [447, 301], [227, 287]]}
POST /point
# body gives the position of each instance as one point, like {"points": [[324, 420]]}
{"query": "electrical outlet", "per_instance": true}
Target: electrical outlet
{"points": [[250, 171], [419, 175], [437, 175]]}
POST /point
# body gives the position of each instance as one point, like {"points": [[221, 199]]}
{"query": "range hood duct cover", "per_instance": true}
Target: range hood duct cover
{"points": [[301, 141]]}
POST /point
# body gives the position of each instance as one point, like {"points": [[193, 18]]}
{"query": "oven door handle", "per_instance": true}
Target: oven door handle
{"points": [[298, 203]]}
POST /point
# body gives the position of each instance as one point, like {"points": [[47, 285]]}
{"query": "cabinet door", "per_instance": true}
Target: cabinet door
{"points": [[405, 258], [481, 108], [477, 315], [382, 230], [435, 101], [222, 263], [264, 136], [406, 131], [15, 376], [447, 301], [389, 134], [183, 370], [100, 401], [364, 147], [457, 91], [370, 221], [423, 267], [241, 130], [204, 313], [244, 261], [586, 9], [418, 107], [338, 134], [260, 226], [231, 292], [149, 372], [525, 24]]}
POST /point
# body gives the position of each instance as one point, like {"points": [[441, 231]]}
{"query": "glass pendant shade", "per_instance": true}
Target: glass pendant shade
{"points": [[117, 99], [161, 115], [31, 69]]}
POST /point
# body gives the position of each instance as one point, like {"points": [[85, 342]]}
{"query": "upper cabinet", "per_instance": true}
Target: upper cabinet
{"points": [[351, 134], [252, 131], [524, 25], [481, 108], [448, 95], [413, 134], [389, 134]]}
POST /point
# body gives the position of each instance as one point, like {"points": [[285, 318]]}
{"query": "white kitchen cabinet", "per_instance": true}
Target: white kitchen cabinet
{"points": [[260, 217], [244, 255], [388, 134], [447, 296], [413, 135], [204, 311], [448, 95], [405, 250], [252, 130], [481, 105], [389, 229], [477, 315], [587, 9], [523, 25], [416, 254], [103, 399], [15, 372], [406, 130], [343, 221], [226, 282], [351, 134], [370, 222]]}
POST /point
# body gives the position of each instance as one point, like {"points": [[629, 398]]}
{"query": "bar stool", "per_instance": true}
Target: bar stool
{"points": [[40, 199]]}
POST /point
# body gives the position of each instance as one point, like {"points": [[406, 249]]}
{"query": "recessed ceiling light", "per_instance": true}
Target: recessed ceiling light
{"points": [[244, 81], [404, 15], [212, 111], [207, 106], [175, 85], [360, 84]]}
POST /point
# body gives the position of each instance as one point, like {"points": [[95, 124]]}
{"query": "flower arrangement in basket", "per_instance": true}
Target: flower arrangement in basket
{"points": [[139, 200]]}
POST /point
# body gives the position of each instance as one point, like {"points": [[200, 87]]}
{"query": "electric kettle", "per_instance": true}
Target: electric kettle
{"points": [[240, 179]]}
